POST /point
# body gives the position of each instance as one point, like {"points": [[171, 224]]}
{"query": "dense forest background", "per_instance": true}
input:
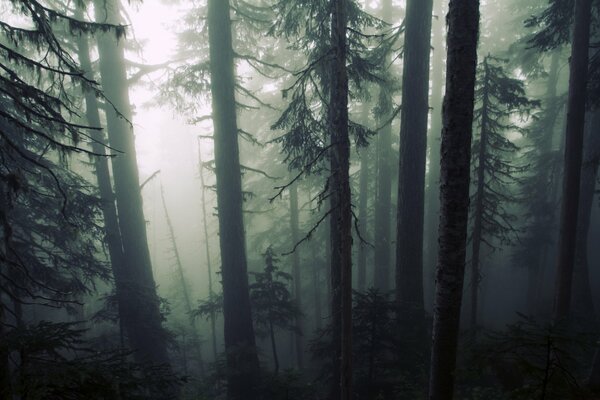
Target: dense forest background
{"points": [[299, 199]]}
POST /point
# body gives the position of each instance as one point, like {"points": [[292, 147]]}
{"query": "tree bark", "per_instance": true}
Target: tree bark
{"points": [[341, 218], [383, 200], [573, 156], [463, 28], [413, 159], [142, 314], [296, 273], [242, 358]]}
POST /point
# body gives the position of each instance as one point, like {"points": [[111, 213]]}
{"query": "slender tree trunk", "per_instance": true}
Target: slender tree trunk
{"points": [[341, 226], [413, 159], [537, 270], [239, 333], [274, 347], [363, 217], [463, 28], [573, 156], [211, 291], [583, 303], [317, 293], [143, 319], [183, 285], [432, 197], [383, 200], [296, 275], [479, 194]]}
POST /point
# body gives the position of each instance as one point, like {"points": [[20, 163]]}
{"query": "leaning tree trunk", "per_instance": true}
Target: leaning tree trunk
{"points": [[383, 198], [242, 358], [463, 28], [583, 303], [109, 210], [142, 317], [341, 218], [187, 298], [478, 212], [573, 156], [296, 273], [413, 158], [211, 292]]}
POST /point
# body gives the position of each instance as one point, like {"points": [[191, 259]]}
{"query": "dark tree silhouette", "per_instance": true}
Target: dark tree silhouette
{"points": [[463, 28]]}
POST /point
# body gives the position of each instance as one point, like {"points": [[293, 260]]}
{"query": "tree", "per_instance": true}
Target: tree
{"points": [[583, 304], [142, 317], [341, 221], [463, 27], [296, 274], [49, 214], [239, 332], [314, 132], [496, 173], [538, 189], [573, 158], [413, 158], [272, 304], [383, 197], [433, 177]]}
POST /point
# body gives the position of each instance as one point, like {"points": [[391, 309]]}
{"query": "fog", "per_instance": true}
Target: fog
{"points": [[299, 199]]}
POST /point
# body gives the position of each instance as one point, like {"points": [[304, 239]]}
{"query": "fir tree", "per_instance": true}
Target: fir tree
{"points": [[500, 99]]}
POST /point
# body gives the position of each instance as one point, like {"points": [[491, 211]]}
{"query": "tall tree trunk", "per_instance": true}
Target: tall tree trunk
{"points": [[183, 284], [548, 124], [478, 212], [383, 200], [583, 303], [413, 159], [243, 367], [573, 156], [341, 218], [463, 28], [211, 292], [274, 346], [109, 210], [432, 212], [142, 314], [363, 217], [296, 275]]}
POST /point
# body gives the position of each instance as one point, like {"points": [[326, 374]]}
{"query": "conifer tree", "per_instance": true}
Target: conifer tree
{"points": [[463, 29], [500, 98]]}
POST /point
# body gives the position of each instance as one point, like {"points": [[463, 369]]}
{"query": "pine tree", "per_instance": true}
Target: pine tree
{"points": [[272, 304], [500, 98]]}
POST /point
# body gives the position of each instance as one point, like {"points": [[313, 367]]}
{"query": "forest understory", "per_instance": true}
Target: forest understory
{"points": [[299, 199]]}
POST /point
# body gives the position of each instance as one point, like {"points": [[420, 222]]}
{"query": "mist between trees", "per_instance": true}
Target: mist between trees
{"points": [[299, 199]]}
